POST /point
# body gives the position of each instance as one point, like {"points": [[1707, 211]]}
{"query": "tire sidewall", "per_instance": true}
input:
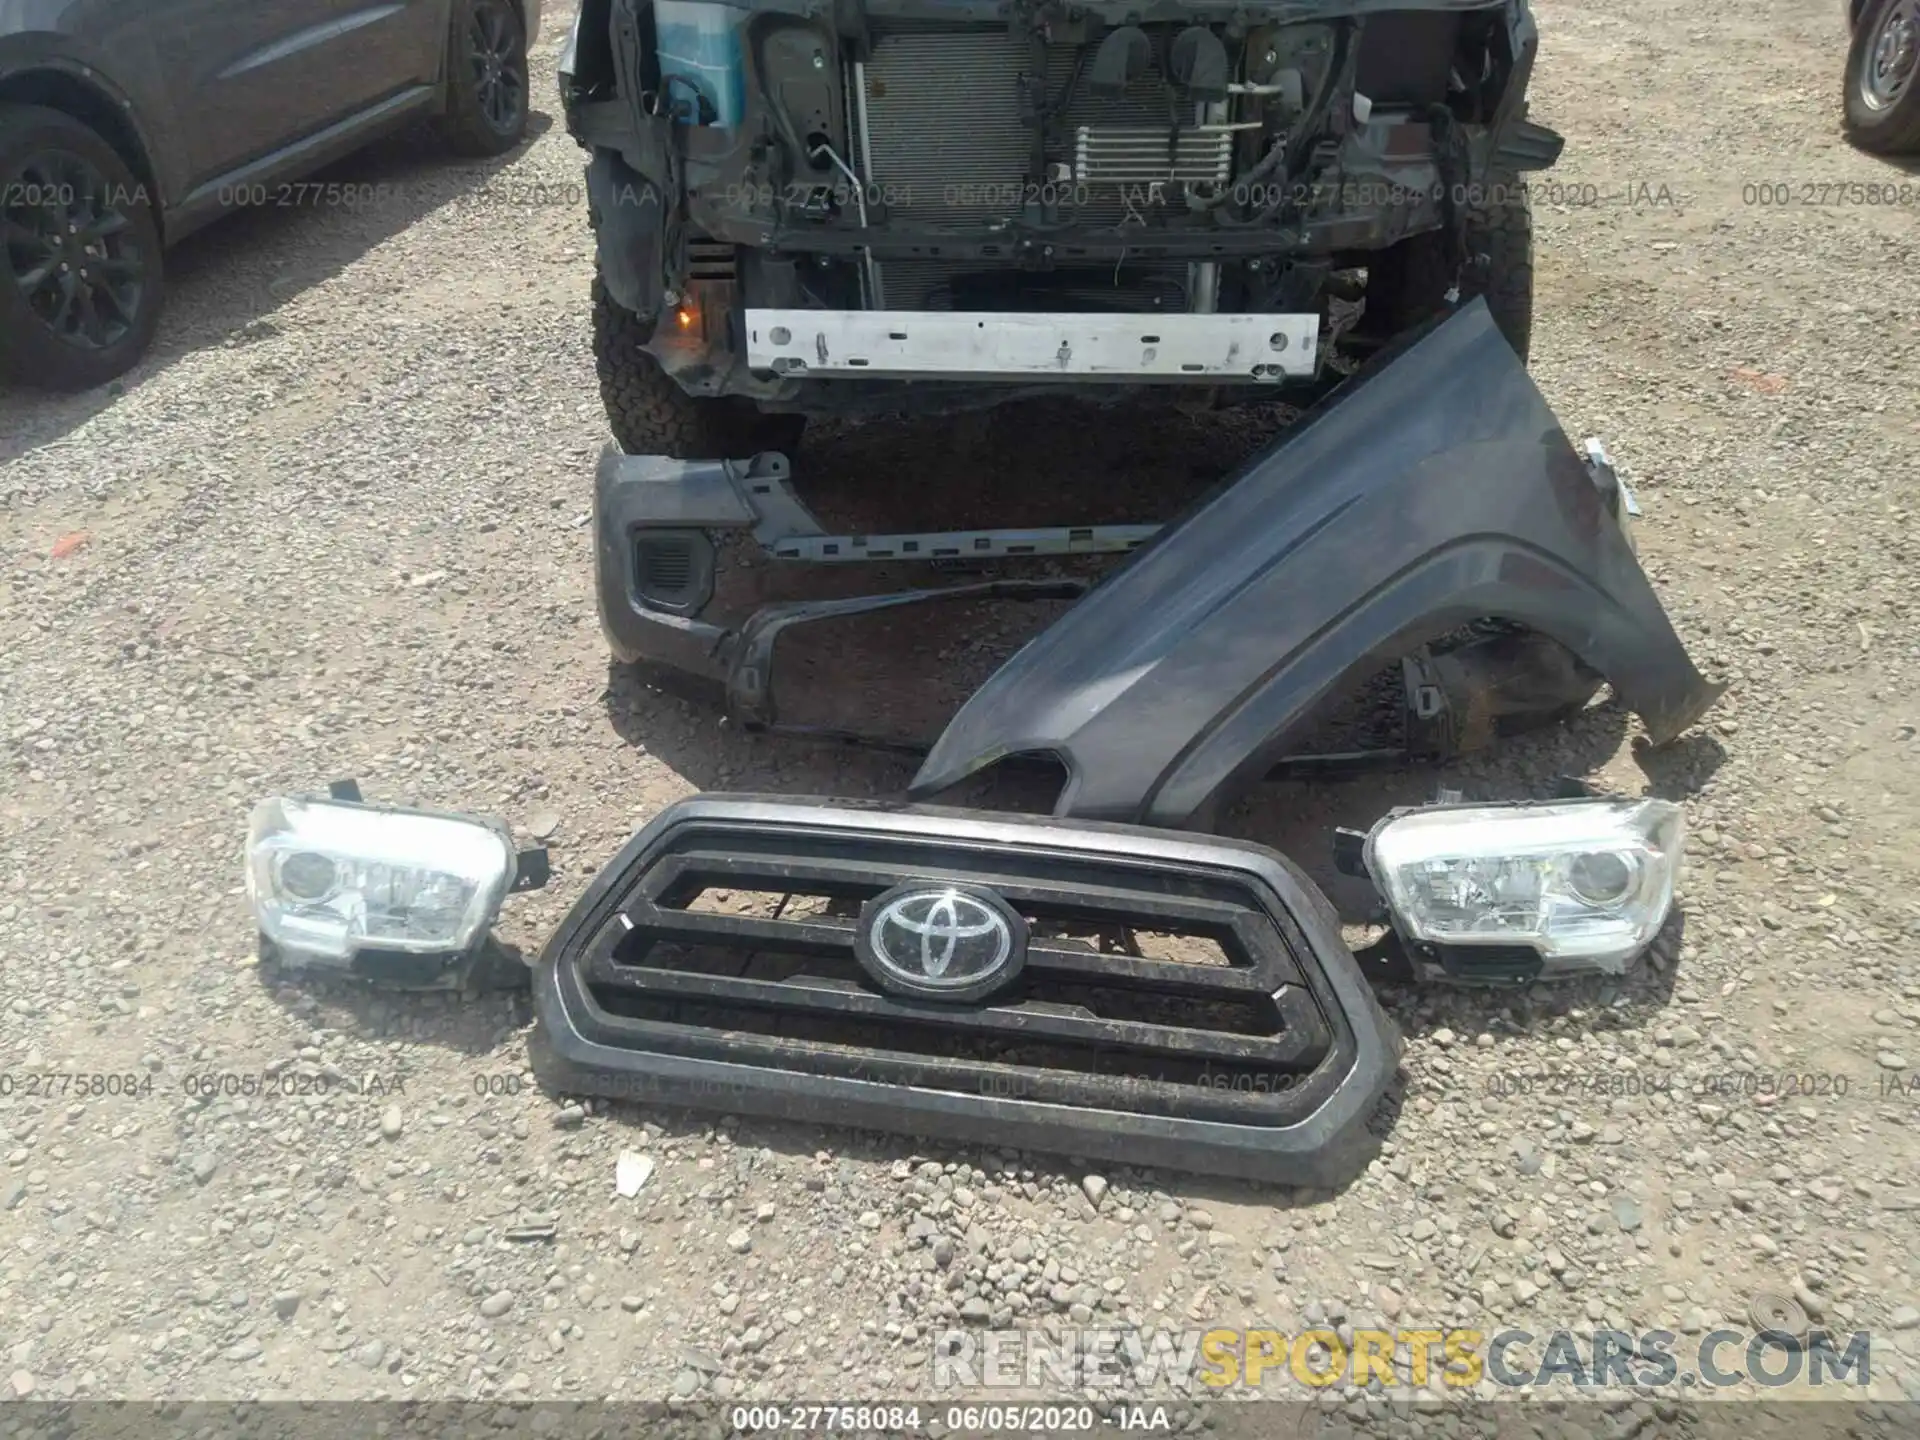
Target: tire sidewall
{"points": [[30, 353], [463, 103], [1863, 122]]}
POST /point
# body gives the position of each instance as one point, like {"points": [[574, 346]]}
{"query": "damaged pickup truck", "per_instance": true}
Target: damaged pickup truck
{"points": [[1111, 981], [830, 207], [834, 207]]}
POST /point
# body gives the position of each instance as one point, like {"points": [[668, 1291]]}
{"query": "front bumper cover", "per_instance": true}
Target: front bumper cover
{"points": [[1433, 490], [1262, 1058]]}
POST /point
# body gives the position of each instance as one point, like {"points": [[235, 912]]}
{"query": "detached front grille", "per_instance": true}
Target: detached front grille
{"points": [[1163, 985]]}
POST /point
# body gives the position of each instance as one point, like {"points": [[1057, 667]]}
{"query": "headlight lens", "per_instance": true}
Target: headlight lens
{"points": [[328, 879], [1587, 881]]}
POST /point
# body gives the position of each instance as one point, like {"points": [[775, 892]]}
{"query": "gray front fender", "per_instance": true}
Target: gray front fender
{"points": [[1435, 489]]}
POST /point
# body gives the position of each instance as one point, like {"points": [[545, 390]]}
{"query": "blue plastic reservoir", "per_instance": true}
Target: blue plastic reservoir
{"points": [[699, 49]]}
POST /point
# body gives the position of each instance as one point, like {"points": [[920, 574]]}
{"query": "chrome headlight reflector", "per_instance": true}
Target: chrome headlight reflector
{"points": [[1586, 883], [329, 879]]}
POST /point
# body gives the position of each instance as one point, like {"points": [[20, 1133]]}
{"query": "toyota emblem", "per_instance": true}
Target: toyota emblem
{"points": [[941, 942]]}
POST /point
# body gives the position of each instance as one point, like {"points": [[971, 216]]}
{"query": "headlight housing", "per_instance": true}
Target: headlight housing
{"points": [[334, 883], [1584, 884]]}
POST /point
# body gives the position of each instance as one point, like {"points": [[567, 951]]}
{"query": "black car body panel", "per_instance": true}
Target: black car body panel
{"points": [[1265, 1063], [204, 98], [1433, 491]]}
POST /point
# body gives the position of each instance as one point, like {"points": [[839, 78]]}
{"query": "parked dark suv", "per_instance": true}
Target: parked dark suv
{"points": [[126, 124]]}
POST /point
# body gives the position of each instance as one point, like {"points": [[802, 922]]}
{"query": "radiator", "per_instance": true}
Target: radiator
{"points": [[945, 141]]}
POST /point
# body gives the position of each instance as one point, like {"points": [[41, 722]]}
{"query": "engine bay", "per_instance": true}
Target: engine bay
{"points": [[1166, 158]]}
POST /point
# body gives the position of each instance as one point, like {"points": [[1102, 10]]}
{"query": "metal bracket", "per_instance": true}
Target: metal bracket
{"points": [[1600, 465], [966, 544], [787, 530], [754, 494]]}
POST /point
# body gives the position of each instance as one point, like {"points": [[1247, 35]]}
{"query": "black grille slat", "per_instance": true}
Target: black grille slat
{"points": [[691, 927], [983, 1021], [691, 871], [1173, 1089]]}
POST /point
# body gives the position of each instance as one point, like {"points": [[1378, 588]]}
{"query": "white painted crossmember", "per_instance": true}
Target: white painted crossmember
{"points": [[929, 345]]}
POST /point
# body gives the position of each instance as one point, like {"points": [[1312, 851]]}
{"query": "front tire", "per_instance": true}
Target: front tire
{"points": [[1408, 283], [1882, 99], [650, 414], [80, 275], [486, 79]]}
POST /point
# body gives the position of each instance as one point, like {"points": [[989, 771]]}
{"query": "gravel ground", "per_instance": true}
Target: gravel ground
{"points": [[336, 525]]}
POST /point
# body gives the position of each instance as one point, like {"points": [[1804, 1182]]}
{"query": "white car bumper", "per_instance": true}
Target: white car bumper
{"points": [[935, 345]]}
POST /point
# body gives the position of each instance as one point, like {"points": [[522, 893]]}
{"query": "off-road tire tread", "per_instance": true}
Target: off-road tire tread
{"points": [[650, 414], [1418, 274]]}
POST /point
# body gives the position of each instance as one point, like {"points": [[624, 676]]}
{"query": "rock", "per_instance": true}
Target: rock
{"points": [[740, 1241], [1905, 1318], [1095, 1187], [975, 1311], [22, 1382], [392, 1122], [631, 1172], [242, 1350], [1891, 1060], [370, 1354], [497, 1304], [632, 1304], [569, 1117], [15, 1192], [943, 1251], [286, 1303], [202, 1168], [1626, 1213], [685, 1384]]}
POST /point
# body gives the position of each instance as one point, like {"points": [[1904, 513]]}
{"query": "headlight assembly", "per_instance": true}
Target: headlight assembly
{"points": [[1584, 884], [339, 884]]}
